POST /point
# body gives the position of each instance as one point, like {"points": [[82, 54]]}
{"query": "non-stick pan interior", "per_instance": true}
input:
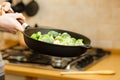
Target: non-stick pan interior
{"points": [[29, 32]]}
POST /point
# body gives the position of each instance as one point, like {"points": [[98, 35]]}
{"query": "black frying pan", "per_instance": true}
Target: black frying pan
{"points": [[54, 49]]}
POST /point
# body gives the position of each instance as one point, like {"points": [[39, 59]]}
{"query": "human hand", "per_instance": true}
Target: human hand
{"points": [[9, 19], [10, 23], [6, 7]]}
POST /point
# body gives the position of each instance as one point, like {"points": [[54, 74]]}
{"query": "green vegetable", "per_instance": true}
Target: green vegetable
{"points": [[34, 36], [46, 38], [57, 38], [79, 41], [65, 35], [54, 33]]}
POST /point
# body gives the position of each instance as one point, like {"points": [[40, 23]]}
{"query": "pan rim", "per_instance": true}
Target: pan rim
{"points": [[85, 45]]}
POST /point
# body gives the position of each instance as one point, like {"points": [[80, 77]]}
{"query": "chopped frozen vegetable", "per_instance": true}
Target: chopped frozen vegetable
{"points": [[55, 37]]}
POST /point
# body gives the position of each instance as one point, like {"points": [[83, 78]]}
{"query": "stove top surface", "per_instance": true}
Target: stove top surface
{"points": [[23, 56]]}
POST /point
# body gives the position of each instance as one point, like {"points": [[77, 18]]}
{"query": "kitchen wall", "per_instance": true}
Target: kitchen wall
{"points": [[96, 19]]}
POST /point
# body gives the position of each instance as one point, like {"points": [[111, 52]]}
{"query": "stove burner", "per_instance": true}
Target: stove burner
{"points": [[22, 55], [59, 62], [95, 55], [39, 59]]}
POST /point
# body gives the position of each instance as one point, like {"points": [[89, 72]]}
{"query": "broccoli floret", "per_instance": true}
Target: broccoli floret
{"points": [[53, 33], [57, 38], [79, 42], [65, 35], [47, 38], [34, 36]]}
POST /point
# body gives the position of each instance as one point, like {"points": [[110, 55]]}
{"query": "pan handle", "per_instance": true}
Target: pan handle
{"points": [[25, 25]]}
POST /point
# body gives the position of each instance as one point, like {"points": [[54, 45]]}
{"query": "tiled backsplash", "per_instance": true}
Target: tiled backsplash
{"points": [[97, 19]]}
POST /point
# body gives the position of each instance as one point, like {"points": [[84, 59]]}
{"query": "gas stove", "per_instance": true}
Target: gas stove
{"points": [[22, 56]]}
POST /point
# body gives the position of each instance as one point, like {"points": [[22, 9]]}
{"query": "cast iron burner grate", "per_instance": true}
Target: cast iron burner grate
{"points": [[22, 56], [39, 59]]}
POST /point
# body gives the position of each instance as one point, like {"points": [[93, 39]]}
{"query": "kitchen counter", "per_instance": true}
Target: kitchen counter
{"points": [[111, 62]]}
